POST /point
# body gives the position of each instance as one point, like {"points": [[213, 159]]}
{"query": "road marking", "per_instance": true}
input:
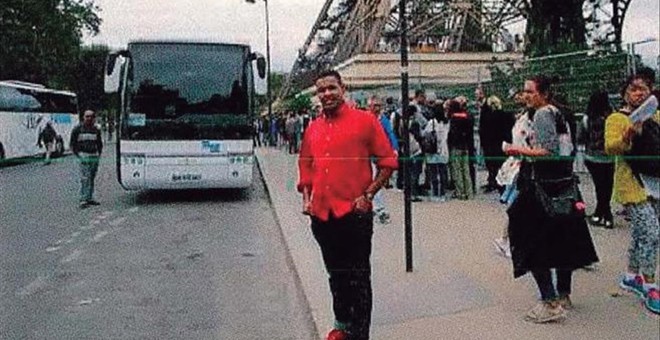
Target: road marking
{"points": [[99, 236], [117, 221], [133, 210], [52, 249], [88, 301], [87, 227], [74, 255], [39, 283]]}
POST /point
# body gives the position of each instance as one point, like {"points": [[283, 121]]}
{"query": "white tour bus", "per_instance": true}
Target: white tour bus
{"points": [[25, 108], [186, 114]]}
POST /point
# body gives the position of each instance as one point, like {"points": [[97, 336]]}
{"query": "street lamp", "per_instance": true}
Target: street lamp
{"points": [[268, 93]]}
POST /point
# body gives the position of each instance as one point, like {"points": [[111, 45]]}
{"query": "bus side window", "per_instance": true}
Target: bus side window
{"points": [[16, 100]]}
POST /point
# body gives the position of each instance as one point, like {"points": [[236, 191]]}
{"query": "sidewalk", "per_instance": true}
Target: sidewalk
{"points": [[460, 288]]}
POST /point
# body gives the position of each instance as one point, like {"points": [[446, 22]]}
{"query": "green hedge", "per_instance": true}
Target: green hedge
{"points": [[577, 76]]}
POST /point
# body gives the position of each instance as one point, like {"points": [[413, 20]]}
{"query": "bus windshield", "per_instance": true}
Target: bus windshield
{"points": [[188, 92]]}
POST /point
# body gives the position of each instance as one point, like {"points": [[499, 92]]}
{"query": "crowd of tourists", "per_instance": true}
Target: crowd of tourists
{"points": [[529, 155]]}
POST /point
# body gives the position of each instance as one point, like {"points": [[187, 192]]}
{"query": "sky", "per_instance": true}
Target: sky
{"points": [[290, 23]]}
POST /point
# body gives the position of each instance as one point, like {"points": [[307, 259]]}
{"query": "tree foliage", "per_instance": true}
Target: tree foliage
{"points": [[87, 80], [299, 102], [554, 26], [276, 83], [40, 39]]}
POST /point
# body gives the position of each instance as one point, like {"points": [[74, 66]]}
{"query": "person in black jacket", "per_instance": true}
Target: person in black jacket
{"points": [[549, 246], [86, 144], [461, 143], [494, 128], [47, 138]]}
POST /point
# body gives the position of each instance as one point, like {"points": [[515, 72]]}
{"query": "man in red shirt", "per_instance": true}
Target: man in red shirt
{"points": [[337, 186]]}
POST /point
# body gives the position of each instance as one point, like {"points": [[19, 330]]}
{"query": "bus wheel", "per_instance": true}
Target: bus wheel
{"points": [[59, 147]]}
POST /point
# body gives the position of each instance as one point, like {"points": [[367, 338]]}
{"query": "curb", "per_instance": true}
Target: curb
{"points": [[315, 327]]}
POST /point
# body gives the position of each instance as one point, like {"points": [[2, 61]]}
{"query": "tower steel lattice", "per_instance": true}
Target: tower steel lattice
{"points": [[346, 28], [605, 21]]}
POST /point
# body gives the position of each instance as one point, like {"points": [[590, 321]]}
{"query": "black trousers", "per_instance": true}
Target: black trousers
{"points": [[547, 288], [603, 177], [493, 166], [346, 248]]}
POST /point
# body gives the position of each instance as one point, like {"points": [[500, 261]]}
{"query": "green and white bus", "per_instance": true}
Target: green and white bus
{"points": [[25, 109]]}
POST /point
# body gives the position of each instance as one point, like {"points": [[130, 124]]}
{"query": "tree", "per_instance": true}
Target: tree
{"points": [[276, 83], [40, 39], [87, 79], [299, 102], [554, 26]]}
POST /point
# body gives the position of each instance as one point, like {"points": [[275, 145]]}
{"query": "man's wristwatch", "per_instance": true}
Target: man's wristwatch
{"points": [[369, 196]]}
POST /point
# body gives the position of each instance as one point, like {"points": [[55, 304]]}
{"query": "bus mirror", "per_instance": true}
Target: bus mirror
{"points": [[112, 73], [261, 67]]}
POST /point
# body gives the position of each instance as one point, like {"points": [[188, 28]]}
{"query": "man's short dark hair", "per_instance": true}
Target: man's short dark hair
{"points": [[329, 73], [419, 92]]}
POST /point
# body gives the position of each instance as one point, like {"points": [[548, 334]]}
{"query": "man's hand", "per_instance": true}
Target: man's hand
{"points": [[307, 202], [362, 205], [307, 207]]}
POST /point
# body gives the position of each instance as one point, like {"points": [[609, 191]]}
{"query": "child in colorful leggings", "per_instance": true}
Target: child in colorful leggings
{"points": [[633, 191]]}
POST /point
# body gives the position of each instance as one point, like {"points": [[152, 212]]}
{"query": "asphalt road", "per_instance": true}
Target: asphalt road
{"points": [[148, 265]]}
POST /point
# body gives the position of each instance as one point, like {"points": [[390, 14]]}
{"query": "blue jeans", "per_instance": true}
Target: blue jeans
{"points": [[439, 178], [510, 194], [88, 168]]}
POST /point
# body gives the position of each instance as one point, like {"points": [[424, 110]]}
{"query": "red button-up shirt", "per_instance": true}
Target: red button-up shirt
{"points": [[335, 159]]}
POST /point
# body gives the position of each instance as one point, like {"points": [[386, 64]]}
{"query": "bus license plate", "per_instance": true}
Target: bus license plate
{"points": [[186, 177]]}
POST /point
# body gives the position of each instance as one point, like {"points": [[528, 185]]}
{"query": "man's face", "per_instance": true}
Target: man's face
{"points": [[88, 118], [330, 92], [533, 98], [479, 93], [637, 92], [376, 106], [421, 99]]}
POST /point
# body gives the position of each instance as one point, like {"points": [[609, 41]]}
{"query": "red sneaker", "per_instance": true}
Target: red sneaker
{"points": [[337, 334]]}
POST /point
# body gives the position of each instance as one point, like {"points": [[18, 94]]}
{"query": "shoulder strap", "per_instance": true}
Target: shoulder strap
{"points": [[560, 121]]}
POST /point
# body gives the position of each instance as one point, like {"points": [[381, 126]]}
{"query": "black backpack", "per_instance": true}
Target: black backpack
{"points": [[429, 142], [644, 156]]}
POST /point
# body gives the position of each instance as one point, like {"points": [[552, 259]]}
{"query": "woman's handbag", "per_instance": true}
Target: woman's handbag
{"points": [[559, 197]]}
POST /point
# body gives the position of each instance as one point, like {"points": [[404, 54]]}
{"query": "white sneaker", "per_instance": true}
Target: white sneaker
{"points": [[545, 312]]}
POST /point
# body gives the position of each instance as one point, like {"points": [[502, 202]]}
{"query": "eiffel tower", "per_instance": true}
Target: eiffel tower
{"points": [[346, 28], [605, 21]]}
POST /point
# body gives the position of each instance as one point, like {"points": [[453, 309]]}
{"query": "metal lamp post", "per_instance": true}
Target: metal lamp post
{"points": [[268, 90]]}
